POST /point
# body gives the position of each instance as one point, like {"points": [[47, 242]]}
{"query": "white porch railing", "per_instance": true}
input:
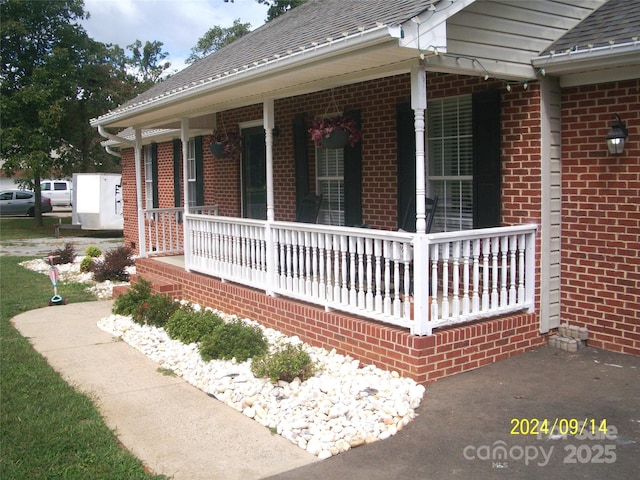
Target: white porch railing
{"points": [[414, 281], [163, 228]]}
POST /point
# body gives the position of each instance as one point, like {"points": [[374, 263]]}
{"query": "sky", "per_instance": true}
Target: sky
{"points": [[178, 24]]}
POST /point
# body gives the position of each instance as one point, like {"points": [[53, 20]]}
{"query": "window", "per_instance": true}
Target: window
{"points": [[450, 143], [60, 186], [330, 184], [192, 172], [148, 177]]}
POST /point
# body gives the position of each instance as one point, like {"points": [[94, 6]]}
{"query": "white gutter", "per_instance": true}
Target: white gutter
{"points": [[113, 137], [602, 57], [313, 53]]}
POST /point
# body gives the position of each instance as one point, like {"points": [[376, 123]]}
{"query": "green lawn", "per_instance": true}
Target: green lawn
{"points": [[16, 228], [48, 430]]}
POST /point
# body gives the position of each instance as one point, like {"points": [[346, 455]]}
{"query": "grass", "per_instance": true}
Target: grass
{"points": [[48, 430], [18, 228]]}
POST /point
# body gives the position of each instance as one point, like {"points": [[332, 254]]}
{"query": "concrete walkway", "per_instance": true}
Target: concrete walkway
{"points": [[477, 424], [174, 428]]}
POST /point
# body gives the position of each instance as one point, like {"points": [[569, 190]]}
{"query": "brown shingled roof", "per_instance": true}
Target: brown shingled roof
{"points": [[313, 21], [617, 22]]}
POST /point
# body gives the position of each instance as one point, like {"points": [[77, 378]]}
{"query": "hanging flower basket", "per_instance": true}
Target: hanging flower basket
{"points": [[225, 145], [335, 132], [217, 149]]}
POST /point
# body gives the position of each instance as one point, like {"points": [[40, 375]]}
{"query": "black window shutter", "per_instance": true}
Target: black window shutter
{"points": [[486, 159], [199, 172], [154, 173], [301, 157], [353, 179], [177, 172], [406, 148]]}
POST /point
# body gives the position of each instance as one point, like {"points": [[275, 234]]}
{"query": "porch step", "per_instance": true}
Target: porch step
{"points": [[159, 284], [570, 338]]}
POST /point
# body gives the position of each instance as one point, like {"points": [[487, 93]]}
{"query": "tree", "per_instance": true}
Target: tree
{"points": [[54, 80], [39, 43], [216, 38], [146, 60], [277, 7]]}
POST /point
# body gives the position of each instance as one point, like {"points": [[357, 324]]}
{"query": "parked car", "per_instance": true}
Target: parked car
{"points": [[22, 202], [59, 191]]}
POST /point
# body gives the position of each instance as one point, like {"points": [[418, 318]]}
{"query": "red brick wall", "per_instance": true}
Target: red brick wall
{"points": [[601, 216], [520, 132], [424, 359]]}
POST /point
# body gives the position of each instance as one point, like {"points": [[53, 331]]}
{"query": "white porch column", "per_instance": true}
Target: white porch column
{"points": [[142, 249], [419, 106], [268, 112], [184, 138], [421, 244], [269, 124]]}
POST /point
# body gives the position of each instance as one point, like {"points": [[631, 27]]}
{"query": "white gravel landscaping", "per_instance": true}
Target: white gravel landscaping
{"points": [[70, 272], [343, 406]]}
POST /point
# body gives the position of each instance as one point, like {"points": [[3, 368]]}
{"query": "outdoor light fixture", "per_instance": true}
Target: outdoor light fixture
{"points": [[617, 136]]}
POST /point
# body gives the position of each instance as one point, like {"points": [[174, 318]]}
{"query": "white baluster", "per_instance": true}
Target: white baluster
{"points": [[378, 254], [486, 247], [445, 280], [504, 247], [337, 275], [344, 294], [369, 263], [361, 275], [455, 304], [397, 256], [466, 253], [521, 250], [387, 277], [434, 254], [495, 297], [513, 247], [475, 303], [314, 263], [353, 273]]}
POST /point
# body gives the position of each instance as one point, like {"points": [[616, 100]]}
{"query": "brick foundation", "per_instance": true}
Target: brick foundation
{"points": [[424, 359]]}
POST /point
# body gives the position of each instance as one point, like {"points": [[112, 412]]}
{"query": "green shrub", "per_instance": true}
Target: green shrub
{"points": [[113, 266], [156, 310], [92, 251], [189, 326], [86, 264], [129, 303], [234, 340], [67, 254], [285, 364]]}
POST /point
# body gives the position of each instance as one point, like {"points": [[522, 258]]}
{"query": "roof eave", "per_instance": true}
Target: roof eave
{"points": [[315, 54], [573, 61]]}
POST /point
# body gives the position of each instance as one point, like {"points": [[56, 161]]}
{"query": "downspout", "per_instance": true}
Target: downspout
{"points": [[113, 138], [111, 151]]}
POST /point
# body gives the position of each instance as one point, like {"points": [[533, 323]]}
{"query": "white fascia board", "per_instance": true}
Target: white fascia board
{"points": [[305, 56], [576, 61]]}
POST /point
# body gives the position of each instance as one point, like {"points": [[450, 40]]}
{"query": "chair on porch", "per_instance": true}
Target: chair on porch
{"points": [[309, 209], [409, 223]]}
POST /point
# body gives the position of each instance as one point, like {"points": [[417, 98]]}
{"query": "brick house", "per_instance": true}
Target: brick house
{"points": [[466, 103]]}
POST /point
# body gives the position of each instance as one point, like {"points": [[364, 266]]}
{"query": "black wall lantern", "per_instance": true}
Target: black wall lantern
{"points": [[617, 136]]}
